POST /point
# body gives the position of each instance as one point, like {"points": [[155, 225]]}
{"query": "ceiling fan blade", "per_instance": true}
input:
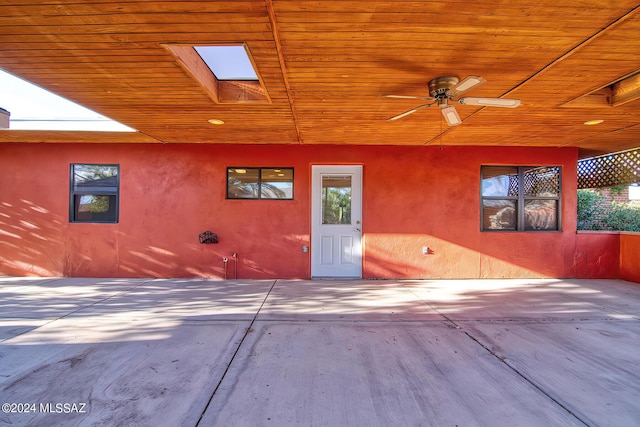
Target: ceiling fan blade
{"points": [[413, 110], [425, 98], [451, 115], [466, 84], [490, 102]]}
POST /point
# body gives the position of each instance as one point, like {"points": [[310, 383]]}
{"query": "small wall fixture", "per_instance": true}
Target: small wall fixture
{"points": [[208, 237]]}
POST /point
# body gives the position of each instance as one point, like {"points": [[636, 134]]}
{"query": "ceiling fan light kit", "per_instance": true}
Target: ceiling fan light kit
{"points": [[448, 88]]}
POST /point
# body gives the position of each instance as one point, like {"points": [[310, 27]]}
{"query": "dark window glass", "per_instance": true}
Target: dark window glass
{"points": [[276, 183], [259, 183], [540, 215], [243, 183], [499, 214], [541, 182], [520, 198], [94, 193], [499, 181]]}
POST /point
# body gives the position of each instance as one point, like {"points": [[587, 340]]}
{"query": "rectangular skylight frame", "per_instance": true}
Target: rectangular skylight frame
{"points": [[221, 91]]}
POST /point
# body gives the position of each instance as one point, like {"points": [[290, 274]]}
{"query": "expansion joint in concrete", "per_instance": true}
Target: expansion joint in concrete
{"points": [[235, 353]]}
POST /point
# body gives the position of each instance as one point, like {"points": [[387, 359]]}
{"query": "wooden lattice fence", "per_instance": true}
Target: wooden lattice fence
{"points": [[609, 170]]}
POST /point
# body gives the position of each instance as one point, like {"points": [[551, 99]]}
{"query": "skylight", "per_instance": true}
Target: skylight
{"points": [[34, 108], [226, 72], [228, 62]]}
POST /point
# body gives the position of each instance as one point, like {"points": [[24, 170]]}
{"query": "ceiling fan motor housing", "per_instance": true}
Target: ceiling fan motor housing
{"points": [[439, 86]]}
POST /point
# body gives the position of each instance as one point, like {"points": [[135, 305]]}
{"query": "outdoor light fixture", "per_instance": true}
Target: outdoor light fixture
{"points": [[490, 102]]}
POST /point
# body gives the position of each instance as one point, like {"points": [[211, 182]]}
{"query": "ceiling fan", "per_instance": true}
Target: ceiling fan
{"points": [[448, 89]]}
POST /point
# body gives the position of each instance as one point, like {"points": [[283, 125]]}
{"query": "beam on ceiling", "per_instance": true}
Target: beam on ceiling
{"points": [[283, 66]]}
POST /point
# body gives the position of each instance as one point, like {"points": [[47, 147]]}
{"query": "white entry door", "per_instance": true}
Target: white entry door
{"points": [[336, 227]]}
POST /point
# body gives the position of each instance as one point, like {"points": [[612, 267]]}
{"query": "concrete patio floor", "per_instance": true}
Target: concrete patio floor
{"points": [[319, 353]]}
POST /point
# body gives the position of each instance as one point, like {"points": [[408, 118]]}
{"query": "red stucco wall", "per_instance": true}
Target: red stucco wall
{"points": [[630, 256], [412, 197], [597, 255]]}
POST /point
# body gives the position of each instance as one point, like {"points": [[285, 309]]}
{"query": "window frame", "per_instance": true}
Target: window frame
{"points": [[521, 198], [107, 191], [259, 183]]}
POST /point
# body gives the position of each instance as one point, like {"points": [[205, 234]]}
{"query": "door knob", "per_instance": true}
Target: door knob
{"points": [[357, 229]]}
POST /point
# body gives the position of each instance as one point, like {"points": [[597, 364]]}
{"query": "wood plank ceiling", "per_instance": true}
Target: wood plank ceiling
{"points": [[326, 66]]}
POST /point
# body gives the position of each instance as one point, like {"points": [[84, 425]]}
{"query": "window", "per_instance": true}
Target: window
{"points": [[523, 198], [336, 199], [259, 183], [94, 193]]}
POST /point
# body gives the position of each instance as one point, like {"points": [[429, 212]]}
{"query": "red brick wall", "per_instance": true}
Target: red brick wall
{"points": [[614, 195]]}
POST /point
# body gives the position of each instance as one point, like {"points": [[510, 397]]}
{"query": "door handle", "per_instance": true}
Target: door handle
{"points": [[358, 230]]}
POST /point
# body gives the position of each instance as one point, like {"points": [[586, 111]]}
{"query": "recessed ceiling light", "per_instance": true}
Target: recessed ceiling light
{"points": [[216, 121], [593, 122]]}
